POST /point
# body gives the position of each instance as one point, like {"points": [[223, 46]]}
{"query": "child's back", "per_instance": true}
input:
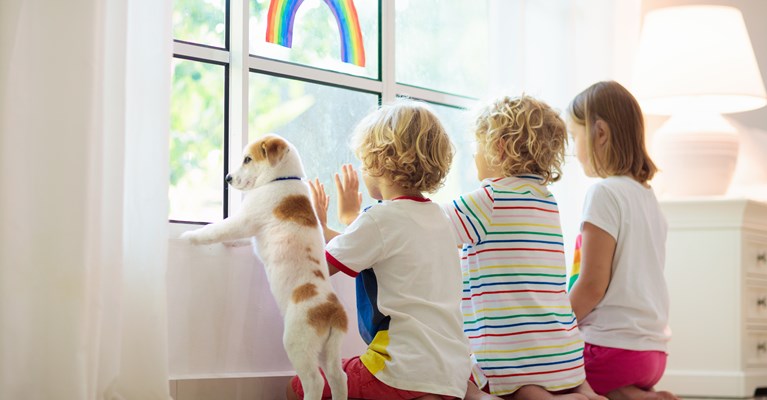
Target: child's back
{"points": [[516, 311], [630, 212], [408, 289]]}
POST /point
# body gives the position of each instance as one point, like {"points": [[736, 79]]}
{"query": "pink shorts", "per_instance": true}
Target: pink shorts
{"points": [[362, 385], [609, 368]]}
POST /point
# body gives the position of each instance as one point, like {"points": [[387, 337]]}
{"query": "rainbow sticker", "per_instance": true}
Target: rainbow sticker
{"points": [[279, 27]]}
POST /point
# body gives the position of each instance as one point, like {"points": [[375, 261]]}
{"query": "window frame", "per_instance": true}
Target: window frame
{"points": [[239, 64]]}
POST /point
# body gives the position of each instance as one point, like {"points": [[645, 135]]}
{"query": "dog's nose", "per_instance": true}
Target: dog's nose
{"points": [[228, 178]]}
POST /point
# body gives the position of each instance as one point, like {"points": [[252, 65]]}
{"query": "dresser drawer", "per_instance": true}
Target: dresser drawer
{"points": [[755, 348], [756, 302], [755, 258]]}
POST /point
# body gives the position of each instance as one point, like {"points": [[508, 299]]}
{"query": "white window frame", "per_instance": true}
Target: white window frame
{"points": [[240, 63]]}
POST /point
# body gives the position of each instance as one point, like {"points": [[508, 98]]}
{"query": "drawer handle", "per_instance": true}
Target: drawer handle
{"points": [[761, 302], [760, 347], [761, 257]]}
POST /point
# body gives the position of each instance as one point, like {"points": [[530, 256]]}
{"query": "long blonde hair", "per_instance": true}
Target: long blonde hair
{"points": [[625, 151]]}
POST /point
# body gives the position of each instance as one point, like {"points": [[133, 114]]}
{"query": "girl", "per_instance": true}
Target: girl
{"points": [[620, 298], [523, 333]]}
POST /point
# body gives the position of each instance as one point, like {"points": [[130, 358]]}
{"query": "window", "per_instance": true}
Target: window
{"points": [[235, 79]]}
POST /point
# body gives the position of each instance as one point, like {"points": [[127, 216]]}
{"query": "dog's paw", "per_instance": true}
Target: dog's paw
{"points": [[237, 243], [192, 237]]}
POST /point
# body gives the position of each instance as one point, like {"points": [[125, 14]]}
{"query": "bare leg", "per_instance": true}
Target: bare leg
{"points": [[473, 393], [635, 393], [586, 390], [533, 392]]}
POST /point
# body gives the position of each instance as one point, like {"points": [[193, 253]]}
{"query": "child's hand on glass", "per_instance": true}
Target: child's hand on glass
{"points": [[320, 200], [349, 197]]}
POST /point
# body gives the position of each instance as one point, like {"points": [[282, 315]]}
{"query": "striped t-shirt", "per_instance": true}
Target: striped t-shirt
{"points": [[516, 312]]}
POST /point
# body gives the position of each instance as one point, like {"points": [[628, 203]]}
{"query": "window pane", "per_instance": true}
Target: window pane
{"points": [[316, 36], [317, 119], [442, 45], [463, 172], [197, 142], [200, 21]]}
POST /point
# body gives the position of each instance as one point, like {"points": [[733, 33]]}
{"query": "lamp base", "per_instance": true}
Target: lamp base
{"points": [[696, 155]]}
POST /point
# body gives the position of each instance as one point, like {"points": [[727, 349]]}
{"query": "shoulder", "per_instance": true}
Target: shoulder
{"points": [[604, 191]]}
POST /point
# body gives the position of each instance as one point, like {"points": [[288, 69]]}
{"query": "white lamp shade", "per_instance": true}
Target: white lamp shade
{"points": [[697, 59]]}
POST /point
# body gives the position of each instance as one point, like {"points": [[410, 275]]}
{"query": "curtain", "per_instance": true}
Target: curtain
{"points": [[554, 49], [84, 88]]}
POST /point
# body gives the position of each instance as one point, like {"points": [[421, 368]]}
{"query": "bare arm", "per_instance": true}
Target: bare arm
{"points": [[597, 251]]}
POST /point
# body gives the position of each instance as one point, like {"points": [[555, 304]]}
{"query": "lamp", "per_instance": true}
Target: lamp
{"points": [[695, 63]]}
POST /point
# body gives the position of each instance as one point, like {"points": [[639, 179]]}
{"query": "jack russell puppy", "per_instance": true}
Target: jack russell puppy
{"points": [[277, 214]]}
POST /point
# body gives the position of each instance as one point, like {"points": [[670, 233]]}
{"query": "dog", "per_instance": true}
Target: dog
{"points": [[277, 214]]}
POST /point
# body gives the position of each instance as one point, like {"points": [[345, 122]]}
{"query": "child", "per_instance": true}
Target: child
{"points": [[397, 250], [620, 297], [522, 330]]}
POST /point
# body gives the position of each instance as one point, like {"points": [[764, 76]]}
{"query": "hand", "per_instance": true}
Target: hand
{"points": [[320, 201], [349, 197]]}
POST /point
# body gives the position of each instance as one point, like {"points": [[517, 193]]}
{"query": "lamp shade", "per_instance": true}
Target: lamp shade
{"points": [[697, 59]]}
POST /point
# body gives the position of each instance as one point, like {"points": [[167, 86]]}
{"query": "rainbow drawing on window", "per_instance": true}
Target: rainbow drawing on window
{"points": [[279, 27]]}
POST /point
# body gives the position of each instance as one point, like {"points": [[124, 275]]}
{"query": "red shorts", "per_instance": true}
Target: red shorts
{"points": [[609, 368], [362, 385]]}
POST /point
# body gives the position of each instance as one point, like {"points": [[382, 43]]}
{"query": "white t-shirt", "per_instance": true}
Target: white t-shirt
{"points": [[402, 253], [633, 314]]}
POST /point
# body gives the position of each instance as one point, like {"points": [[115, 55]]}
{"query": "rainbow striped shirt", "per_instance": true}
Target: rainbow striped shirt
{"points": [[516, 312]]}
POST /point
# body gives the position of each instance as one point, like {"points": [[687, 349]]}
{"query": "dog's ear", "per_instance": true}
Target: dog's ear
{"points": [[274, 149]]}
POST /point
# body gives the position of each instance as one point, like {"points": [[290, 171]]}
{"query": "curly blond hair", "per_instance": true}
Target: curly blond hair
{"points": [[405, 143], [522, 135]]}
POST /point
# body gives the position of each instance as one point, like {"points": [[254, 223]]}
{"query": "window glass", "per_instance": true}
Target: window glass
{"points": [[317, 119], [316, 34], [197, 141], [202, 22], [443, 45], [463, 172]]}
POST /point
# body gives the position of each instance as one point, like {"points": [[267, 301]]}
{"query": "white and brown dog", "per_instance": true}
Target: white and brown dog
{"points": [[277, 213]]}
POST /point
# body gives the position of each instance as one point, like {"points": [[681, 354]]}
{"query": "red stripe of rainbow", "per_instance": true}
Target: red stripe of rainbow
{"points": [[282, 13]]}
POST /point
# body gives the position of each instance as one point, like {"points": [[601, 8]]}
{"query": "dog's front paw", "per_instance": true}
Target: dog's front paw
{"points": [[192, 237]]}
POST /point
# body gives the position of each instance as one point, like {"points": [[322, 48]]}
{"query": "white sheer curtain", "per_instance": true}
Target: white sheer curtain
{"points": [[83, 175], [553, 49]]}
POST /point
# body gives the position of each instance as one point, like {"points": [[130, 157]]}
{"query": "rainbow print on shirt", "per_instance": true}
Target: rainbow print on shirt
{"points": [[282, 13], [576, 264]]}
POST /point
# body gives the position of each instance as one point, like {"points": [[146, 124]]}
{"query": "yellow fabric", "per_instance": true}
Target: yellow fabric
{"points": [[376, 355]]}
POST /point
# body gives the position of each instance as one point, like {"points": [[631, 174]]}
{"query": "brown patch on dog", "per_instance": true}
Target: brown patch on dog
{"points": [[311, 257], [298, 209], [318, 274], [304, 292], [328, 315], [271, 149]]}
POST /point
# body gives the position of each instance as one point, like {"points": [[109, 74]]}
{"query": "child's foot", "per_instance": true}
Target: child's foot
{"points": [[474, 393], [635, 393], [586, 390], [533, 392]]}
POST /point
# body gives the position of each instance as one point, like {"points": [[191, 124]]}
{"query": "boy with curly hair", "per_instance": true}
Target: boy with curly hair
{"points": [[402, 253], [523, 332]]}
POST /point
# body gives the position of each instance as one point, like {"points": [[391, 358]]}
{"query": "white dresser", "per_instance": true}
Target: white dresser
{"points": [[716, 269]]}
